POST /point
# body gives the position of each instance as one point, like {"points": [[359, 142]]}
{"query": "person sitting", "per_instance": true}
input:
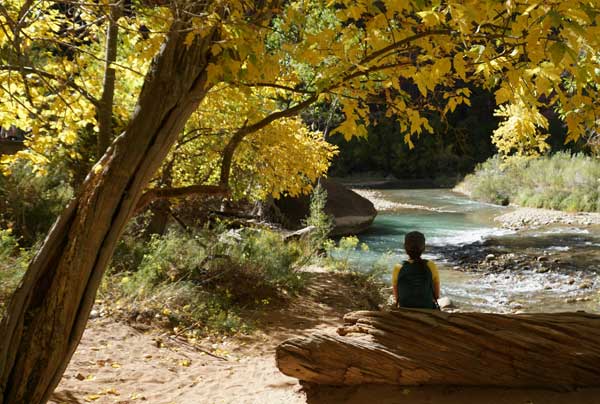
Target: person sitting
{"points": [[416, 282]]}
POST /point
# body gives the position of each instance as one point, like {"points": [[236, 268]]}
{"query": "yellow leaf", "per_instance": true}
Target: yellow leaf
{"points": [[189, 38], [503, 95], [459, 65]]}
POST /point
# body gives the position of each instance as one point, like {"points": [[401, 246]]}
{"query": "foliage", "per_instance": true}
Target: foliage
{"points": [[341, 253], [322, 222], [13, 263], [561, 181], [342, 256], [283, 157], [202, 281], [458, 143], [51, 72], [416, 57], [29, 203]]}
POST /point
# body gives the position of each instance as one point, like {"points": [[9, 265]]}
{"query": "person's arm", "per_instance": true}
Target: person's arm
{"points": [[395, 273], [435, 276]]}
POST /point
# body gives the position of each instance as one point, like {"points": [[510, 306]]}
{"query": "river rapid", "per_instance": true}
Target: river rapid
{"points": [[484, 267]]}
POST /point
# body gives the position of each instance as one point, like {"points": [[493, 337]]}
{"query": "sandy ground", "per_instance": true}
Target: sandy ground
{"points": [[116, 363]]}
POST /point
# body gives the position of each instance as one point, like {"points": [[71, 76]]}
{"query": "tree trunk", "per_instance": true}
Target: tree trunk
{"points": [[10, 147], [47, 314], [415, 347], [105, 109]]}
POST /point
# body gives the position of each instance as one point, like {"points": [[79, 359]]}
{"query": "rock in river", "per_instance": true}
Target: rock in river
{"points": [[352, 213], [445, 303]]}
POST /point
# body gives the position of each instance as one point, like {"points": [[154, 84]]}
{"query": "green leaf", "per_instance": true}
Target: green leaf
{"points": [[557, 52]]}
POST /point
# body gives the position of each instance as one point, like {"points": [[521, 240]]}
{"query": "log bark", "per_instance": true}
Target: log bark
{"points": [[417, 347], [47, 314]]}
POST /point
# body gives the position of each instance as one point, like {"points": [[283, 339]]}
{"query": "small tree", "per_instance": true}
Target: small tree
{"points": [[317, 217]]}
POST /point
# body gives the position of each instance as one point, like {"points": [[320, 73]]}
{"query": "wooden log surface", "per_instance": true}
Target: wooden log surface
{"points": [[416, 347]]}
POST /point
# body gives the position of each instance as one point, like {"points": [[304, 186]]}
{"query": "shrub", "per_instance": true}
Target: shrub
{"points": [[317, 217], [202, 281], [560, 181], [365, 278], [30, 202], [13, 263]]}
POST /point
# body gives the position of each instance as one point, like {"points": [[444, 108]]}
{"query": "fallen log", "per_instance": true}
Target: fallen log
{"points": [[417, 347]]}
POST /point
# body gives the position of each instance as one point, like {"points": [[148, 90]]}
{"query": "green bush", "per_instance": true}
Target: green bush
{"points": [[366, 278], [322, 222], [561, 181], [30, 202], [202, 281], [13, 263]]}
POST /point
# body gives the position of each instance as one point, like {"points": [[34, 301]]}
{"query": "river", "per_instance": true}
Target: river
{"points": [[484, 267]]}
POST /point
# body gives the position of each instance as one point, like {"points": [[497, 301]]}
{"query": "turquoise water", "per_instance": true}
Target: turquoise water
{"points": [[449, 220], [446, 218]]}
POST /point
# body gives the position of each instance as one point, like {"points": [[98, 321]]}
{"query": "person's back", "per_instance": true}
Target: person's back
{"points": [[416, 282], [415, 285]]}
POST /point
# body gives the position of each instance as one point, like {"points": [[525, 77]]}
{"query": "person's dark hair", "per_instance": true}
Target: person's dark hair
{"points": [[414, 244]]}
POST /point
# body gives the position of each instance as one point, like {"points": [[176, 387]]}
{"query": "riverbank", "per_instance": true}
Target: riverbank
{"points": [[382, 204], [519, 218], [526, 218], [126, 364]]}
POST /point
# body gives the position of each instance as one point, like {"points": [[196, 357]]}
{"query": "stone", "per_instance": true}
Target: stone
{"points": [[570, 300], [490, 257], [445, 303], [352, 213]]}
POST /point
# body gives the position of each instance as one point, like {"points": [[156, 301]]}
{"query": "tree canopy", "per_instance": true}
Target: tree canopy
{"points": [[415, 57]]}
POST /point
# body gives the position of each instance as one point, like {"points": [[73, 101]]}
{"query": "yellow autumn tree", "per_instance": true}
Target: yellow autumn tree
{"points": [[412, 55], [283, 157]]}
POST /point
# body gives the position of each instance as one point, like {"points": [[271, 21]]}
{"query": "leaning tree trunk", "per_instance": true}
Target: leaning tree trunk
{"points": [[47, 315], [415, 347]]}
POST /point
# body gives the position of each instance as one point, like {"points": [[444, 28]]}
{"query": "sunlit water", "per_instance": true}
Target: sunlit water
{"points": [[457, 221]]}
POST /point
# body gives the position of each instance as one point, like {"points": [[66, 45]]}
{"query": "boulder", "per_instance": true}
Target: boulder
{"points": [[352, 213]]}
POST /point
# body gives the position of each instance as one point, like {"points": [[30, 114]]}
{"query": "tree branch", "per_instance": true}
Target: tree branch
{"points": [[164, 193], [237, 138], [51, 76]]}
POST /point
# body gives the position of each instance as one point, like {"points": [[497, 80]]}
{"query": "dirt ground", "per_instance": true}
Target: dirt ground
{"points": [[119, 363]]}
